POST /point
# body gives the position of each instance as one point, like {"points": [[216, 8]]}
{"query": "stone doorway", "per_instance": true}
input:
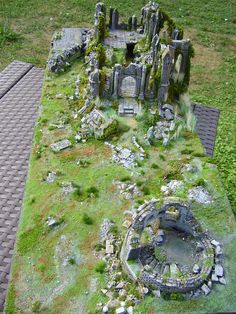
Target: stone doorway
{"points": [[128, 87]]}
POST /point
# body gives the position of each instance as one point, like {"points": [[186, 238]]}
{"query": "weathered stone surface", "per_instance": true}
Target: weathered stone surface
{"points": [[218, 251], [161, 131], [51, 222], [222, 280], [214, 277], [128, 107], [109, 247], [121, 310], [196, 269], [174, 269], [58, 146], [200, 195], [66, 45], [205, 289], [67, 188], [219, 271], [51, 177], [120, 285], [215, 243], [123, 156], [172, 187]]}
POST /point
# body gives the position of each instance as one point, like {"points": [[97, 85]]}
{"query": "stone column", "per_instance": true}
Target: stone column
{"points": [[134, 23], [143, 82], [115, 19], [116, 84]]}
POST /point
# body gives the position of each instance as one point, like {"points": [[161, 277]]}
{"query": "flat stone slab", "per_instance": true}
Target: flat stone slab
{"points": [[70, 37], [58, 146], [18, 112], [118, 38], [207, 122]]}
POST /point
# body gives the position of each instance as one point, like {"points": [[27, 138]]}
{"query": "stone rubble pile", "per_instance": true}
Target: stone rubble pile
{"points": [[167, 112], [129, 191], [123, 156], [92, 123], [172, 187], [67, 188], [200, 195], [161, 131], [51, 177], [116, 288]]}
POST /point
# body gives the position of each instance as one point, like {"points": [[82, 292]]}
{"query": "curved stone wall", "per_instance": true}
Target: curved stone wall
{"points": [[175, 216]]}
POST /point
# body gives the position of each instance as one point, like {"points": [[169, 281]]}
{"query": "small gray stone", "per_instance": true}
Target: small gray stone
{"points": [[58, 146], [51, 177], [196, 269], [121, 310], [215, 243], [222, 280], [51, 222], [159, 239], [214, 278], [168, 115], [219, 271], [218, 251], [205, 289], [120, 285]]}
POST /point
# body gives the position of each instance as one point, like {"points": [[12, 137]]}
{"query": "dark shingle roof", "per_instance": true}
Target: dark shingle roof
{"points": [[207, 122]]}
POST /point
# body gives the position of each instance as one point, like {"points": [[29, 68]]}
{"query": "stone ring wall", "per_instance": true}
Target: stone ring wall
{"points": [[173, 215]]}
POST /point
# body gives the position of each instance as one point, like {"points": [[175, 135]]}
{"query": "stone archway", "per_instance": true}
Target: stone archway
{"points": [[128, 87]]}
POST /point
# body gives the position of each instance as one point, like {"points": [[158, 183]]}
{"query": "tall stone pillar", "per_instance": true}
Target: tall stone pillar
{"points": [[134, 23], [143, 83], [116, 84], [114, 19]]}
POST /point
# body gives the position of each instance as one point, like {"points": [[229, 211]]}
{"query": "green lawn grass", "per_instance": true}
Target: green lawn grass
{"points": [[209, 24]]}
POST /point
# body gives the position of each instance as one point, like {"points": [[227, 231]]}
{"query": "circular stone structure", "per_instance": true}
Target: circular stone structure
{"points": [[164, 273]]}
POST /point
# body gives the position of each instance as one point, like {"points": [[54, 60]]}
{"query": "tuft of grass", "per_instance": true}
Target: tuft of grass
{"points": [[72, 261], [78, 191], [92, 191], [36, 307], [7, 35], [41, 267], [162, 157], [146, 190], [126, 179], [100, 267], [87, 219], [155, 166]]}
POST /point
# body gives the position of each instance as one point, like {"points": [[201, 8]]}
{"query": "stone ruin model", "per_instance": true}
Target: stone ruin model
{"points": [[144, 63], [155, 58]]}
